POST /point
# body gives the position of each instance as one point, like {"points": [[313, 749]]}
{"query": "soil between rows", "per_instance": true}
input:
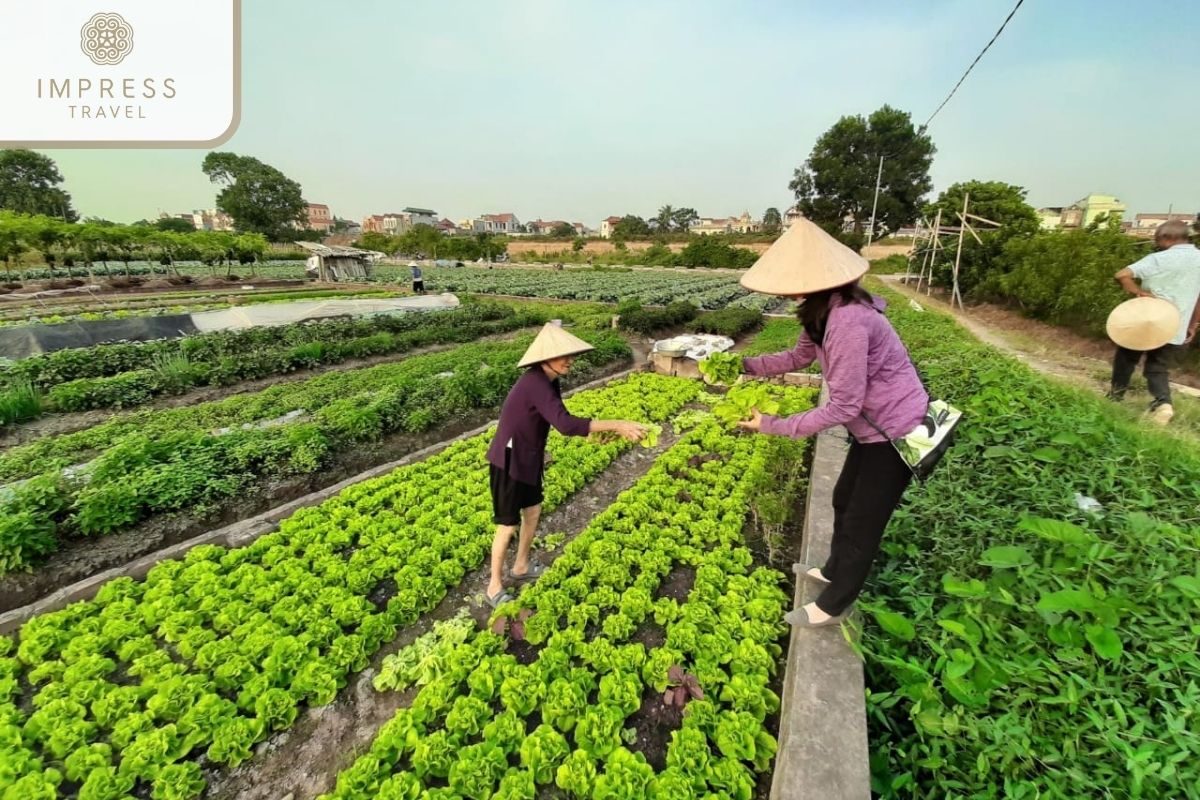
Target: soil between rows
{"points": [[304, 760], [81, 558]]}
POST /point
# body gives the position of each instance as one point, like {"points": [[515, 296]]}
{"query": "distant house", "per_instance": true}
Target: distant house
{"points": [[496, 223], [708, 226], [540, 227], [447, 227], [606, 226], [212, 220], [1050, 217], [1146, 224], [318, 217], [420, 216], [1081, 213], [580, 229]]}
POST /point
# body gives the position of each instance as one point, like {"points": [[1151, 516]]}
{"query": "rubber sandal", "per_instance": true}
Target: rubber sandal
{"points": [[798, 617], [810, 572], [495, 601], [535, 570]]}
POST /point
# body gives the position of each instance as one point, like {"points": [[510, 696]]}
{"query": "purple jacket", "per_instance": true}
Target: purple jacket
{"points": [[866, 369], [532, 406]]}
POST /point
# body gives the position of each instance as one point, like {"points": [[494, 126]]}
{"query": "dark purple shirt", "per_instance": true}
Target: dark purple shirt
{"points": [[532, 406]]}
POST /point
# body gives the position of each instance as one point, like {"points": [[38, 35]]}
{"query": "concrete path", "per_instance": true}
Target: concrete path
{"points": [[823, 721]]}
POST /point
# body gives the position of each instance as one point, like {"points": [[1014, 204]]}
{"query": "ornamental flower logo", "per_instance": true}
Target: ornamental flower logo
{"points": [[106, 39]]}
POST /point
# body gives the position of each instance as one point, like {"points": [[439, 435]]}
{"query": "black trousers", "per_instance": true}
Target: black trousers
{"points": [[867, 492], [1158, 362]]}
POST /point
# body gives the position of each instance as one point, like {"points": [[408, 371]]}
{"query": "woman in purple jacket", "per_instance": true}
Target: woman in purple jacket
{"points": [[873, 390], [518, 450]]}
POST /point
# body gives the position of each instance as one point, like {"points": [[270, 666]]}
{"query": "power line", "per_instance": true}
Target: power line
{"points": [[973, 63]]}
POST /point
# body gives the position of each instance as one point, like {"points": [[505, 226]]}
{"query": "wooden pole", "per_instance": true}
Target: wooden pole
{"points": [[912, 253], [955, 294], [937, 228]]}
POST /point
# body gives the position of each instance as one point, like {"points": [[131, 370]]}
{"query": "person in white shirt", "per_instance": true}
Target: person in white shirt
{"points": [[1172, 273]]}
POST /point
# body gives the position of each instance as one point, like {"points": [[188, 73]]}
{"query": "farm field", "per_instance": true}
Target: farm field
{"points": [[111, 476], [87, 308], [124, 375], [161, 685], [650, 288], [1014, 645]]}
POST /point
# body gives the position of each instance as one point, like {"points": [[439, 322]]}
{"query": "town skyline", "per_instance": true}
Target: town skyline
{"points": [[571, 129]]}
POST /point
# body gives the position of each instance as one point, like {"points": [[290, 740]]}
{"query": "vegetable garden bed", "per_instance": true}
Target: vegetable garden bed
{"points": [[212, 652], [155, 462], [1017, 646]]}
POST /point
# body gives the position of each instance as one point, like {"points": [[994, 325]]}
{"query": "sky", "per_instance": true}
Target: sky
{"points": [[582, 110]]}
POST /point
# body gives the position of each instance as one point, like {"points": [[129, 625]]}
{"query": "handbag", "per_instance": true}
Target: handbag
{"points": [[922, 448]]}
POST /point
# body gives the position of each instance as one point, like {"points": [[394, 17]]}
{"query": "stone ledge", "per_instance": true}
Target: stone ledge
{"points": [[823, 751]]}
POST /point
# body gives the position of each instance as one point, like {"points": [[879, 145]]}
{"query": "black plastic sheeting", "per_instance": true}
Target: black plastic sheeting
{"points": [[30, 340]]}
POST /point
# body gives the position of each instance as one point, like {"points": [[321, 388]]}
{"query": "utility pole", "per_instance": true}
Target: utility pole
{"points": [[875, 203]]}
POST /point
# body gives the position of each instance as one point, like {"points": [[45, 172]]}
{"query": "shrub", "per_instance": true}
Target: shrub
{"points": [[731, 322], [648, 320]]}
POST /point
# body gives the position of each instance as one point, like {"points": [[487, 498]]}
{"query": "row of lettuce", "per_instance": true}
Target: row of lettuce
{"points": [[1021, 646], [606, 649], [112, 475], [211, 653]]}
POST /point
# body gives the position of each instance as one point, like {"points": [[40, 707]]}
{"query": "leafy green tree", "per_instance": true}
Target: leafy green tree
{"points": [[664, 219], [578, 245], [772, 221], [30, 183], [711, 251], [176, 224], [563, 230], [838, 179], [260, 198], [993, 200], [682, 218], [631, 227]]}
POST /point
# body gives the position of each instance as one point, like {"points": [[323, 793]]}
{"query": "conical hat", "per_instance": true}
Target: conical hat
{"points": [[1143, 323], [551, 342], [805, 259]]}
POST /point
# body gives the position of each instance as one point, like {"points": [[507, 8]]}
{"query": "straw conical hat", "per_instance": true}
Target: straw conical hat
{"points": [[803, 260], [552, 342], [1143, 323]]}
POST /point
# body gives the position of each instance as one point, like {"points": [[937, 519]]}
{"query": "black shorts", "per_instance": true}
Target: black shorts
{"points": [[418, 286], [510, 496]]}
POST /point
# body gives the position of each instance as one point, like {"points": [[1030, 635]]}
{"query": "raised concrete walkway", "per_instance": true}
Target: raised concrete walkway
{"points": [[823, 721]]}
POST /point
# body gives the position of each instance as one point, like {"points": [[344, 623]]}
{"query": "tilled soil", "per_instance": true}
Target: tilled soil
{"points": [[304, 760]]}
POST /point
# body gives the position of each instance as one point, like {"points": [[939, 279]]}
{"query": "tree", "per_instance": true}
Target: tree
{"points": [[30, 184], [175, 224], [563, 230], [683, 218], [838, 179], [578, 244], [630, 227], [994, 200], [772, 221], [260, 198], [664, 219]]}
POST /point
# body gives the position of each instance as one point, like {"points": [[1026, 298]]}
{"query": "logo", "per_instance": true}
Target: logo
{"points": [[74, 74], [106, 39]]}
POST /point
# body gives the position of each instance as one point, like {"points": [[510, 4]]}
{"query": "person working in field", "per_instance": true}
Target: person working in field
{"points": [[1172, 273], [518, 450], [873, 390], [418, 278]]}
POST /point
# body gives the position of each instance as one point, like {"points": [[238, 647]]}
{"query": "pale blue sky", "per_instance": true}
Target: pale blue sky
{"points": [[584, 109]]}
